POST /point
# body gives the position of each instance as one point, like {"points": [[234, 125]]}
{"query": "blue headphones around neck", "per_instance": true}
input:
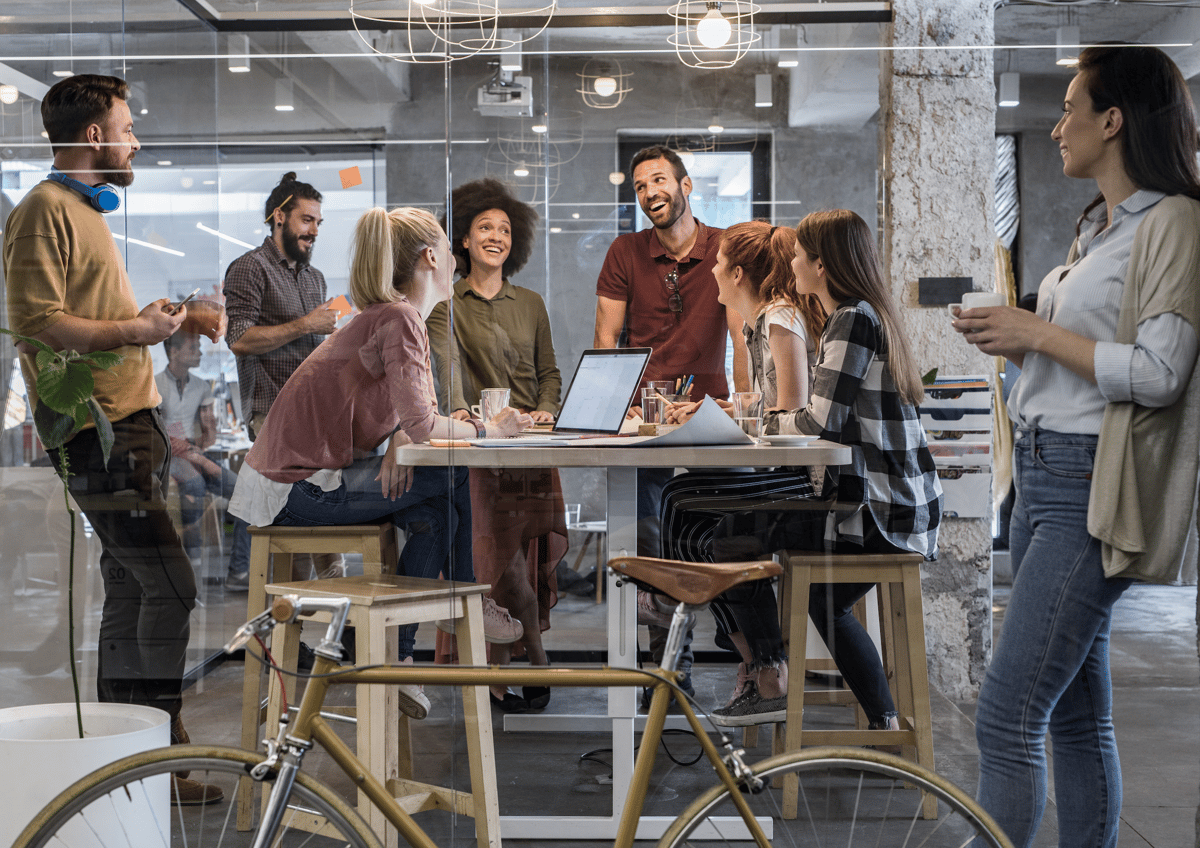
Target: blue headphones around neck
{"points": [[103, 198]]}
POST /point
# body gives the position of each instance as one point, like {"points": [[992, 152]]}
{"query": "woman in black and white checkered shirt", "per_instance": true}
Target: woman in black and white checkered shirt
{"points": [[865, 391]]}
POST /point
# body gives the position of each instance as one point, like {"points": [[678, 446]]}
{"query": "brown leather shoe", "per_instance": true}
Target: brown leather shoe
{"points": [[192, 793], [179, 736]]}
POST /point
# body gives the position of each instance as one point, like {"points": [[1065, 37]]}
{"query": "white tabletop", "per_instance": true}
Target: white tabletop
{"points": [[579, 456]]}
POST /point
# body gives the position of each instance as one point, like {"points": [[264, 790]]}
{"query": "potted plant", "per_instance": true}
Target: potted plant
{"points": [[39, 736], [65, 390]]}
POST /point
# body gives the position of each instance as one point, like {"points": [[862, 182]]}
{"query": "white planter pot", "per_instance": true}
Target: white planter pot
{"points": [[43, 755]]}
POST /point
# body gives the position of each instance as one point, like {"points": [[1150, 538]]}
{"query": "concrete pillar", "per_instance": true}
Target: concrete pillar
{"points": [[936, 159]]}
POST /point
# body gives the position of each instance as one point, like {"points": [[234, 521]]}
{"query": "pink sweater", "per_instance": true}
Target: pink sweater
{"points": [[367, 380]]}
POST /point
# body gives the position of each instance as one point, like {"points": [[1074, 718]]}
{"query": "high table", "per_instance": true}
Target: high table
{"points": [[621, 464]]}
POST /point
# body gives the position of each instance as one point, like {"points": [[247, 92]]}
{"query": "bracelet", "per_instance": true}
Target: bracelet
{"points": [[480, 427]]}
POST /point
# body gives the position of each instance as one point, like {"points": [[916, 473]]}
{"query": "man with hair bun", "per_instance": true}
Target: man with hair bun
{"points": [[278, 314]]}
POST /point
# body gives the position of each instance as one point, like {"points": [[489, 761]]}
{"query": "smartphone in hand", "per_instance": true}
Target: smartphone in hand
{"points": [[178, 306]]}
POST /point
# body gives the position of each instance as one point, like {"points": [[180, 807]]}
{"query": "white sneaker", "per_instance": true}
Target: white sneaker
{"points": [[498, 626], [413, 701]]}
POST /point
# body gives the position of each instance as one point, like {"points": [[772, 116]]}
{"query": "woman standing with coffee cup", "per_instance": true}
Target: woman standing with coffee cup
{"points": [[1108, 430], [501, 341]]}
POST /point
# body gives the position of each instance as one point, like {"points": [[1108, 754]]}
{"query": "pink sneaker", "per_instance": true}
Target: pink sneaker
{"points": [[744, 677], [648, 611], [498, 625]]}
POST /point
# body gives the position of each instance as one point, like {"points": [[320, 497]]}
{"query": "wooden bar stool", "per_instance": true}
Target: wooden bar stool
{"points": [[378, 605], [903, 630], [271, 550]]}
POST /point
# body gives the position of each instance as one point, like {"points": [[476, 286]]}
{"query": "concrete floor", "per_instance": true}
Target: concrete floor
{"points": [[1153, 657]]}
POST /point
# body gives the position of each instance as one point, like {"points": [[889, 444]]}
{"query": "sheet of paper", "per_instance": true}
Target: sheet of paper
{"points": [[710, 425]]}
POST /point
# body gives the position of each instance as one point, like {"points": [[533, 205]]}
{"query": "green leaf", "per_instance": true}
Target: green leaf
{"points": [[54, 428], [49, 360], [929, 378], [65, 389], [101, 358], [28, 340], [103, 428]]}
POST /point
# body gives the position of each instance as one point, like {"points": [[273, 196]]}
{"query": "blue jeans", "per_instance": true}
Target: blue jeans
{"points": [[435, 515], [1050, 670]]}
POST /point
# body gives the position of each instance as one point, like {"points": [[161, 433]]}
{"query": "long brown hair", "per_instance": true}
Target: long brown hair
{"points": [[1158, 130], [842, 241], [764, 253]]}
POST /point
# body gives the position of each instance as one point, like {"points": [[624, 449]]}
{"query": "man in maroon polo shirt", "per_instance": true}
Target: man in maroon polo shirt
{"points": [[658, 286]]}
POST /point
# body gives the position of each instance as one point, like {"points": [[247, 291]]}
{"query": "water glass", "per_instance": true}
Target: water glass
{"points": [[491, 401], [747, 411], [653, 406]]}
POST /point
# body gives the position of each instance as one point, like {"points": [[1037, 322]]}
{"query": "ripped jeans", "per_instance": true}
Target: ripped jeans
{"points": [[435, 515]]}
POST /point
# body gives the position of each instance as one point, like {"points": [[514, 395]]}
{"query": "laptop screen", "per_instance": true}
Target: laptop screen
{"points": [[602, 390]]}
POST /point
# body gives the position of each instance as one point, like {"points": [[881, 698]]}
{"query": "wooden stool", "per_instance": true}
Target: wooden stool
{"points": [[271, 550], [378, 605], [902, 627]]}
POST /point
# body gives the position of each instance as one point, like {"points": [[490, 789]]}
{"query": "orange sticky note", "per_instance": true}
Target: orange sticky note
{"points": [[341, 306], [350, 177]]}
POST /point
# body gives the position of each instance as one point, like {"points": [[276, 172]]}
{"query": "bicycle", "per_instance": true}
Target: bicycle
{"points": [[843, 796]]}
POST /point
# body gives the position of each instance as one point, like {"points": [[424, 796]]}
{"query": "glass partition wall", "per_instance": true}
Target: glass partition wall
{"points": [[226, 102], [222, 111]]}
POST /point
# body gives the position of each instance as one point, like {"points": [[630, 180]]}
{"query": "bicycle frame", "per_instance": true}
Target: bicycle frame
{"points": [[297, 736]]}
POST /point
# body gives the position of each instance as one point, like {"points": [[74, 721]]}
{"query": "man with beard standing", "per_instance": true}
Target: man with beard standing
{"points": [[278, 314], [68, 288], [658, 286], [276, 300]]}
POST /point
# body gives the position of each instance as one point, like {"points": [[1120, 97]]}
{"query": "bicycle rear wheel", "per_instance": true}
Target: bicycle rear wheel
{"points": [[129, 803], [847, 797]]}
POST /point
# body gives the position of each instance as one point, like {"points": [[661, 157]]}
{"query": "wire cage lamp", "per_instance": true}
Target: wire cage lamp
{"points": [[604, 83], [531, 160], [440, 31], [710, 34]]}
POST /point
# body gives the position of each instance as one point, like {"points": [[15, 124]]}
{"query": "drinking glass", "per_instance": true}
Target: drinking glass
{"points": [[652, 406], [491, 401], [747, 411]]}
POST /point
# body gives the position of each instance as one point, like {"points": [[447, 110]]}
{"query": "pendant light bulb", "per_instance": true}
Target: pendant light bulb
{"points": [[714, 30]]}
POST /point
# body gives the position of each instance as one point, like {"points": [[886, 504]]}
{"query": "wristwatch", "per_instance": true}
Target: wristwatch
{"points": [[480, 427]]}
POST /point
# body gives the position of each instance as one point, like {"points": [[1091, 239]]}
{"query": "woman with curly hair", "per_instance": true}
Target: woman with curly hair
{"points": [[501, 339]]}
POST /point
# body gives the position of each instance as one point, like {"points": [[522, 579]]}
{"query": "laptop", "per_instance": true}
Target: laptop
{"points": [[601, 391]]}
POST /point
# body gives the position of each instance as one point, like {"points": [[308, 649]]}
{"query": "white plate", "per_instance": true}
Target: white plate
{"points": [[789, 441]]}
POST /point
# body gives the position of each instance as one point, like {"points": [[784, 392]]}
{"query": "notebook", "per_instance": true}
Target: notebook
{"points": [[601, 391]]}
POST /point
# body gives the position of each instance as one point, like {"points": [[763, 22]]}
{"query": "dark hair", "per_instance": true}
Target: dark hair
{"points": [[658, 151], [1158, 131], [285, 195], [73, 104], [175, 340], [471, 200], [843, 242], [765, 253]]}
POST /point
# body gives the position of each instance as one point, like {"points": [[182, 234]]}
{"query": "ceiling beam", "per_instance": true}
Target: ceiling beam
{"points": [[27, 85]]}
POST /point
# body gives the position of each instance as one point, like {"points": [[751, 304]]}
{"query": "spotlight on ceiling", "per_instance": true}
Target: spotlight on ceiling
{"points": [[1010, 89], [1067, 51], [239, 54], [283, 96]]}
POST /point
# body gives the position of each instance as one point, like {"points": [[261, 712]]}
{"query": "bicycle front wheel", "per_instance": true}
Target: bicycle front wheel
{"points": [[132, 803], [843, 797]]}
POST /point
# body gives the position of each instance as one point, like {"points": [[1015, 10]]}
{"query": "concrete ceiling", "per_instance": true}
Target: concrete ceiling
{"points": [[837, 88]]}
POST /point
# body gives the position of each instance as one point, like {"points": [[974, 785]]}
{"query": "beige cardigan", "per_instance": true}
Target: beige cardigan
{"points": [[1144, 484]]}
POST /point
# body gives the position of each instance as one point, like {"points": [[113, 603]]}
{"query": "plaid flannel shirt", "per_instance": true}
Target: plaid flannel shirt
{"points": [[854, 402], [261, 290]]}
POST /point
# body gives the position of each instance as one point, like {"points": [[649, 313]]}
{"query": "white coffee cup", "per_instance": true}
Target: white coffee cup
{"points": [[976, 300]]}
